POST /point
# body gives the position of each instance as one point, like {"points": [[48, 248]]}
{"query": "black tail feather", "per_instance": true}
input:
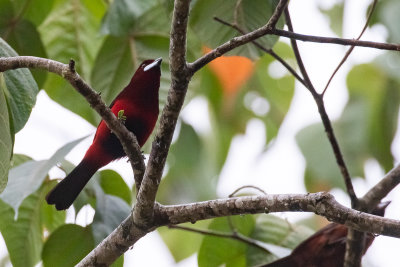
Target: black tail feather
{"points": [[66, 191]]}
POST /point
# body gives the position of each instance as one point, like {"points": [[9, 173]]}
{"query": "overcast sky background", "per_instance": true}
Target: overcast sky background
{"points": [[280, 170]]}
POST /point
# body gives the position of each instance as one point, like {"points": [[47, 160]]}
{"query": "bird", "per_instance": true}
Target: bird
{"points": [[137, 107], [326, 247]]}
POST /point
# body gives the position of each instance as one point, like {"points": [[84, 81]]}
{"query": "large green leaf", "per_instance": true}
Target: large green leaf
{"points": [[71, 32], [28, 177], [217, 251], [191, 175], [20, 90], [6, 138], [123, 15], [110, 212], [249, 14], [365, 130], [50, 217], [23, 236], [182, 243], [113, 184], [67, 245], [22, 34], [33, 10]]}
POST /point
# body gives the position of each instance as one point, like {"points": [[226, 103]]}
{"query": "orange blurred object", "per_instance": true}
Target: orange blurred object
{"points": [[232, 71]]}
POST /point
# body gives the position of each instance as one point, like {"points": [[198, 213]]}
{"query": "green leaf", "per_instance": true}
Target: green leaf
{"points": [[67, 245], [18, 159], [113, 184], [24, 235], [250, 15], [50, 217], [335, 16], [277, 92], [124, 14], [6, 138], [217, 251], [71, 32], [110, 212], [33, 10], [20, 90], [274, 230], [188, 158], [377, 94], [181, 243], [365, 130], [28, 177], [25, 39]]}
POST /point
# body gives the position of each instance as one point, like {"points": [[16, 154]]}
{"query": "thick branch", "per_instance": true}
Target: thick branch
{"points": [[143, 211], [128, 139], [324, 204]]}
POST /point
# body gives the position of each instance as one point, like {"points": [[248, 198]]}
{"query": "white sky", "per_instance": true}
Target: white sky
{"points": [[269, 171]]}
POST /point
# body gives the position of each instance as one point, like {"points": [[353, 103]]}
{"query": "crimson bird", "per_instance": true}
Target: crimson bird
{"points": [[326, 247], [137, 107]]}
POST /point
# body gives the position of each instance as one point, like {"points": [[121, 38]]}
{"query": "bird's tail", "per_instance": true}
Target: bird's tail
{"points": [[66, 191]]}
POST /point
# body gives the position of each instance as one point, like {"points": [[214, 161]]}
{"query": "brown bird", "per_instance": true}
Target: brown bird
{"points": [[326, 247]]}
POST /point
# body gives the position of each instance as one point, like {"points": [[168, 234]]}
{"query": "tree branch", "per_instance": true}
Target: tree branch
{"points": [[334, 40], [324, 117], [143, 212], [241, 40], [322, 203], [67, 71], [351, 48]]}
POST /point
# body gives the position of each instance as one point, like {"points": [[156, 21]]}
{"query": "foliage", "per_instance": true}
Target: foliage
{"points": [[108, 40]]}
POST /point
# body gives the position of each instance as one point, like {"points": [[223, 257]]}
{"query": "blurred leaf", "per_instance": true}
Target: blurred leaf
{"points": [[365, 129], [379, 95], [113, 184], [217, 251], [250, 15], [6, 138], [274, 230], [71, 32], [110, 212], [33, 10], [273, 95], [18, 159], [20, 90], [335, 16], [124, 14], [67, 245], [23, 36], [191, 175], [27, 177], [50, 217], [23, 237], [181, 243], [387, 12]]}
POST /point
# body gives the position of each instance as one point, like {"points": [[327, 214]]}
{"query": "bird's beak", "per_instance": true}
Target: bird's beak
{"points": [[155, 63]]}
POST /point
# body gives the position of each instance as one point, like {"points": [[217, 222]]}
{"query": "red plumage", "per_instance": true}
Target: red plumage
{"points": [[139, 102]]}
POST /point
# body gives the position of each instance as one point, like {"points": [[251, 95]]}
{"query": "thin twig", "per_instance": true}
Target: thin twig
{"points": [[324, 117], [247, 186], [351, 48], [262, 48], [234, 235], [334, 40]]}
